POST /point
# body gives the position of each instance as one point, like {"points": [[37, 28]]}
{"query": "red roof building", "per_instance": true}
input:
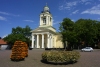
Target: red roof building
{"points": [[2, 42]]}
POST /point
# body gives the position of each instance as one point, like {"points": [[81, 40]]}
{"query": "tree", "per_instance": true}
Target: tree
{"points": [[19, 33], [97, 41], [83, 32], [86, 31], [67, 30]]}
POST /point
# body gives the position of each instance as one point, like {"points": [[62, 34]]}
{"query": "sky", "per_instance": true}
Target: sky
{"points": [[14, 13]]}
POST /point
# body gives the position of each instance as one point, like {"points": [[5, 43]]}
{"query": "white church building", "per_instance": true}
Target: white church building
{"points": [[45, 36]]}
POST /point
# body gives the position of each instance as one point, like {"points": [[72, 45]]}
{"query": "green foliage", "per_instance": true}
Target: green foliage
{"points": [[67, 30], [18, 33], [87, 30], [83, 30], [60, 56], [98, 29]]}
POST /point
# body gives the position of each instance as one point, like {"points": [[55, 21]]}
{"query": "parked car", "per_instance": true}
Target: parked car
{"points": [[87, 49]]}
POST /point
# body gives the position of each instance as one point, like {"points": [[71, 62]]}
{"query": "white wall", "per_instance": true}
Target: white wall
{"points": [[3, 47]]}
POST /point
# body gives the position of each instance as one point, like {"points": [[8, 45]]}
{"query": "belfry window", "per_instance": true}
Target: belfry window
{"points": [[44, 21], [50, 19]]}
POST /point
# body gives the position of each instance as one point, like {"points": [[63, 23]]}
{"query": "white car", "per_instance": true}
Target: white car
{"points": [[87, 49]]}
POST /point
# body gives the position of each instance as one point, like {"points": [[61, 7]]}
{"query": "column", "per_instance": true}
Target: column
{"points": [[46, 20], [48, 41], [32, 41], [37, 41], [55, 45], [51, 22], [51, 42], [42, 40]]}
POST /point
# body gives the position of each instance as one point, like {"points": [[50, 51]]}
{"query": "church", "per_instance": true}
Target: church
{"points": [[45, 36]]}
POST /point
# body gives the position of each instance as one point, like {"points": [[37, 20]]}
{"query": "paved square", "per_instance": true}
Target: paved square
{"points": [[87, 59]]}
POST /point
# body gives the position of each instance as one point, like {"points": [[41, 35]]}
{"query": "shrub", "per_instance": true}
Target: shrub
{"points": [[60, 56]]}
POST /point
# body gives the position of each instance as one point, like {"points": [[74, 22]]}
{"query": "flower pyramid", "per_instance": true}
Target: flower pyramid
{"points": [[19, 51]]}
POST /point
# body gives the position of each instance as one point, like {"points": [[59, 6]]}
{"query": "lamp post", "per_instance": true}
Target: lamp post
{"points": [[65, 44]]}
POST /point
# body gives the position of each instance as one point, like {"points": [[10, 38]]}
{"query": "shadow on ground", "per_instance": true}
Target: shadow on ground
{"points": [[58, 63]]}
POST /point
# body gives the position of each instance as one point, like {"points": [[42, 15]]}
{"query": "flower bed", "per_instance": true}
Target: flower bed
{"points": [[19, 51], [60, 56]]}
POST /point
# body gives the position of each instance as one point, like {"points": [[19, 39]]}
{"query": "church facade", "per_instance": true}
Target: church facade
{"points": [[45, 36]]}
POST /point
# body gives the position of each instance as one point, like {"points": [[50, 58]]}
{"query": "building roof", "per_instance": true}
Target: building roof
{"points": [[2, 42]]}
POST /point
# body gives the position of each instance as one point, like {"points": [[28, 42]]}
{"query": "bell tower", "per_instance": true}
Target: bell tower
{"points": [[45, 17]]}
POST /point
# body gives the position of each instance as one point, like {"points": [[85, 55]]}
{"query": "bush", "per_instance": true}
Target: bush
{"points": [[60, 56]]}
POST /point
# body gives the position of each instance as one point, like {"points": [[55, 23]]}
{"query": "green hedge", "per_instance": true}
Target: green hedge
{"points": [[60, 56]]}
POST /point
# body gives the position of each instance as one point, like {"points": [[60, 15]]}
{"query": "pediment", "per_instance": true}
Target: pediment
{"points": [[39, 30], [42, 29]]}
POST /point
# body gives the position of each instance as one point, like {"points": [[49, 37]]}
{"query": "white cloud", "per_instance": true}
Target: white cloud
{"points": [[5, 13], [61, 7], [67, 5], [3, 18], [72, 4], [98, 18], [29, 20], [87, 3], [73, 20], [93, 10], [76, 11], [4, 35], [55, 22]]}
